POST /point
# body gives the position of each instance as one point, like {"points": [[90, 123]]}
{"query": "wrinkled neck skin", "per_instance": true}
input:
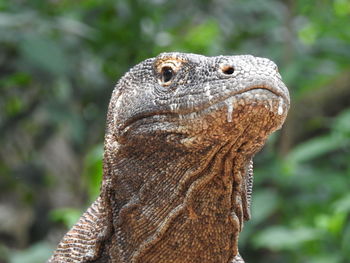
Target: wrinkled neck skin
{"points": [[179, 199]]}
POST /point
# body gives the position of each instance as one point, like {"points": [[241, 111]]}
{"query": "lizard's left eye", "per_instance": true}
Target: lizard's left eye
{"points": [[167, 74]]}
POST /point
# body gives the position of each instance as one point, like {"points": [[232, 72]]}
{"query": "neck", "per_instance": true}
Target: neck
{"points": [[165, 192]]}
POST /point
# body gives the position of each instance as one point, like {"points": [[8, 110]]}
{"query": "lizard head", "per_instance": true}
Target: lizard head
{"points": [[198, 101], [192, 103]]}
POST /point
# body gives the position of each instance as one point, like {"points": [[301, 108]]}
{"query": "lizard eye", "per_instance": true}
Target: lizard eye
{"points": [[227, 70], [167, 74]]}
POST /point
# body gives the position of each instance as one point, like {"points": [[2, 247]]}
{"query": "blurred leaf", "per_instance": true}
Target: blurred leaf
{"points": [[341, 7], [93, 170], [18, 78], [345, 242], [37, 253], [73, 26], [13, 105], [314, 148], [45, 54], [342, 204], [308, 34], [68, 216], [264, 203], [12, 20], [281, 238], [342, 123], [333, 223], [200, 38], [325, 258]]}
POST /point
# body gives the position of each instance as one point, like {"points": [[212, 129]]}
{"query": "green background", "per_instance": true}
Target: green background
{"points": [[60, 59]]}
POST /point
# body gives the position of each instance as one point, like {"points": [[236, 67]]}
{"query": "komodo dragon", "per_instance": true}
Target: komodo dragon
{"points": [[182, 130]]}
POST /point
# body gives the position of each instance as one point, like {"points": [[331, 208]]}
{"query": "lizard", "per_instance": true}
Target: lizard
{"points": [[181, 133]]}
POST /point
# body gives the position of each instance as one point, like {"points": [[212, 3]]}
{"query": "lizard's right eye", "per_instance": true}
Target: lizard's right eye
{"points": [[167, 74]]}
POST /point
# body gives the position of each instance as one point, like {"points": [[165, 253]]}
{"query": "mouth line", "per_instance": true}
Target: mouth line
{"points": [[202, 108], [213, 102], [232, 99], [262, 87]]}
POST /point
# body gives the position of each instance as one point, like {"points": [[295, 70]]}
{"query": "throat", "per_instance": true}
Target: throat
{"points": [[192, 208], [205, 230]]}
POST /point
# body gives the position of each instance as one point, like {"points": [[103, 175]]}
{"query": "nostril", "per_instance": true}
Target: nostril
{"points": [[228, 70]]}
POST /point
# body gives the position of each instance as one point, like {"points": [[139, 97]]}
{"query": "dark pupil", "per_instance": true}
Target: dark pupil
{"points": [[167, 74]]}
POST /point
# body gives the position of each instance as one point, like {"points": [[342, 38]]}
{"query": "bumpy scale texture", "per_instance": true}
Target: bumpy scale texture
{"points": [[182, 130]]}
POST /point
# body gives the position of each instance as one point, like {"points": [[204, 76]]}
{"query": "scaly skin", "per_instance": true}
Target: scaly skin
{"points": [[182, 130]]}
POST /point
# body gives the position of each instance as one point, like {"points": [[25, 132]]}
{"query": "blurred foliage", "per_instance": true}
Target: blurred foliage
{"points": [[59, 61]]}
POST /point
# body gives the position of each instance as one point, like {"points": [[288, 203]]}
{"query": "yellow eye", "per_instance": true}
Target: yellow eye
{"points": [[166, 69]]}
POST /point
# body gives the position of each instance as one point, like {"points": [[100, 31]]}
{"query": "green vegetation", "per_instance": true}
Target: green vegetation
{"points": [[60, 59]]}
